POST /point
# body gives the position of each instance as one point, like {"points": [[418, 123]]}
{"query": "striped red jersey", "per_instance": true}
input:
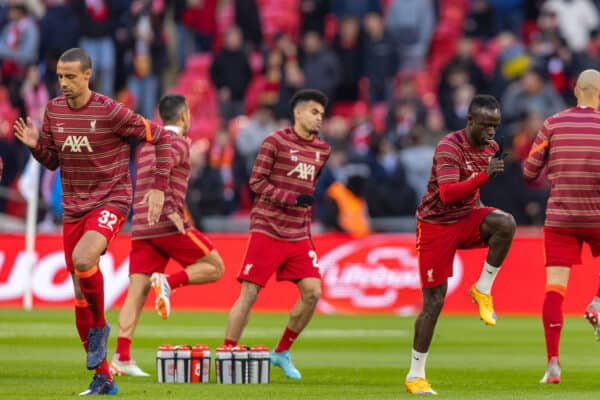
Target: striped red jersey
{"points": [[90, 146], [285, 167], [145, 167], [454, 160], [568, 144]]}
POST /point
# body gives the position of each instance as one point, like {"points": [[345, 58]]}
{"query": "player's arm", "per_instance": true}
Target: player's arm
{"points": [[259, 179], [448, 174], [179, 152], [536, 160], [42, 146]]}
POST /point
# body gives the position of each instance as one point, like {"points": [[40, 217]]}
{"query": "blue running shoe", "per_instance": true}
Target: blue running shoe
{"points": [[97, 339], [100, 385], [283, 360]]}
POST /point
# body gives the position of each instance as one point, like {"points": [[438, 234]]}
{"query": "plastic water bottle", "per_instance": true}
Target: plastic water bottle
{"points": [[200, 366], [223, 365], [165, 364], [259, 369], [183, 356], [240, 364]]}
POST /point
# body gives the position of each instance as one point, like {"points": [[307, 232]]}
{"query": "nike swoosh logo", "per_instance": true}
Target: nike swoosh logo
{"points": [[416, 358]]}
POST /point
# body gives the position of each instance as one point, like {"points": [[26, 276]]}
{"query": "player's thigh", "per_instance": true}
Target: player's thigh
{"points": [[145, 258], [301, 262], [592, 237], [186, 248], [436, 246], [100, 227], [562, 247], [71, 235], [476, 228], [263, 257]]}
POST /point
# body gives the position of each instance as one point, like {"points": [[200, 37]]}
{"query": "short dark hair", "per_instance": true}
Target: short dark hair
{"points": [[483, 102], [170, 106], [77, 54], [308, 95]]}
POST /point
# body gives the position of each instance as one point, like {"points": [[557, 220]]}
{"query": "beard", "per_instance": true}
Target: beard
{"points": [[313, 132]]}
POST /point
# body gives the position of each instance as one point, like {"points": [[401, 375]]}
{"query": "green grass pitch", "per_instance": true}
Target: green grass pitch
{"points": [[340, 357]]}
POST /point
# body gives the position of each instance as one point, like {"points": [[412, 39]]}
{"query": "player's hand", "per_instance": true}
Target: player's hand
{"points": [[26, 132], [177, 221], [496, 167], [155, 199], [304, 200]]}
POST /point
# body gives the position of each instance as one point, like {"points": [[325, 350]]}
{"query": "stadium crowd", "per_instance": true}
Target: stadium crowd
{"points": [[399, 73]]}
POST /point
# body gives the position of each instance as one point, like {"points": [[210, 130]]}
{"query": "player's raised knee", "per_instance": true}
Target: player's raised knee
{"points": [[83, 262], [507, 224]]}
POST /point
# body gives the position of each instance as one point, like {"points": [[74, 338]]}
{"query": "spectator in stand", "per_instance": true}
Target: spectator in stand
{"points": [[19, 46], [231, 74], [221, 157], [35, 95], [355, 8], [416, 158], [146, 48], [199, 21], [248, 19], [576, 19], [252, 135], [464, 59], [388, 192], [530, 92], [313, 14], [379, 57], [511, 63], [480, 21], [344, 208], [459, 108], [59, 31], [411, 24], [322, 69], [348, 48], [97, 27], [284, 75], [205, 189], [508, 15], [402, 116]]}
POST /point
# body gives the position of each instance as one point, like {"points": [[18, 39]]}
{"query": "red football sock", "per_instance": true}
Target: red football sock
{"points": [[123, 348], [179, 279], [91, 283], [230, 342], [552, 317], [103, 369], [84, 319], [598, 289], [286, 340]]}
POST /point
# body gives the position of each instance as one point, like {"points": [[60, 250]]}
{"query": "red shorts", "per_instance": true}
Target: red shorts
{"points": [[437, 244], [152, 255], [292, 260], [562, 246], [104, 220]]}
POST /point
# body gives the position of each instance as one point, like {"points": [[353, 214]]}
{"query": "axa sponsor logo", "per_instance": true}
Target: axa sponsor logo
{"points": [[378, 273], [75, 144], [304, 171]]}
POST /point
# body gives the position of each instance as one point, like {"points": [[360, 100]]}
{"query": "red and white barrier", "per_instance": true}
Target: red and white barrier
{"points": [[375, 274]]}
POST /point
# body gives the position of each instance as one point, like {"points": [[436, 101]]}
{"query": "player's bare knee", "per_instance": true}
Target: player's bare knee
{"points": [[83, 262], [507, 226], [311, 295], [218, 269]]}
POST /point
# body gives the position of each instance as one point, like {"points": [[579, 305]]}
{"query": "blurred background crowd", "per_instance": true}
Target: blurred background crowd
{"points": [[400, 74]]}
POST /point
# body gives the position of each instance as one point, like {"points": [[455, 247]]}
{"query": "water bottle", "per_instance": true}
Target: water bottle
{"points": [[223, 364], [183, 355], [259, 365], [165, 364], [200, 365], [240, 364]]}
